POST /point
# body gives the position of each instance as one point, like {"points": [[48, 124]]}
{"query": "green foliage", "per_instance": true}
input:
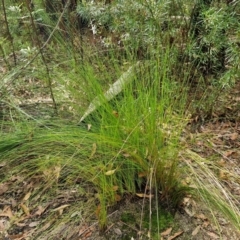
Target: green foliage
{"points": [[134, 23], [213, 38], [130, 143]]}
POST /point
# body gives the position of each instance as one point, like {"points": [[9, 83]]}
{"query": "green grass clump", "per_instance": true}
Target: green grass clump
{"points": [[131, 143]]}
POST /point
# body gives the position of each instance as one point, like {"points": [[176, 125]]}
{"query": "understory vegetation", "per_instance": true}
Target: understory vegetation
{"points": [[99, 101]]}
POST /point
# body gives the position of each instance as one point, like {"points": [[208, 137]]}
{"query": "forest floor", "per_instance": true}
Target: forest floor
{"points": [[217, 138]]}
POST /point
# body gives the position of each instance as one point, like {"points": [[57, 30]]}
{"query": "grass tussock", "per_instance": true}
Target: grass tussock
{"points": [[131, 140], [117, 107]]}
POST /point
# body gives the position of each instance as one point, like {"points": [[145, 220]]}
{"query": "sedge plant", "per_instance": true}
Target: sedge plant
{"points": [[130, 142]]}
